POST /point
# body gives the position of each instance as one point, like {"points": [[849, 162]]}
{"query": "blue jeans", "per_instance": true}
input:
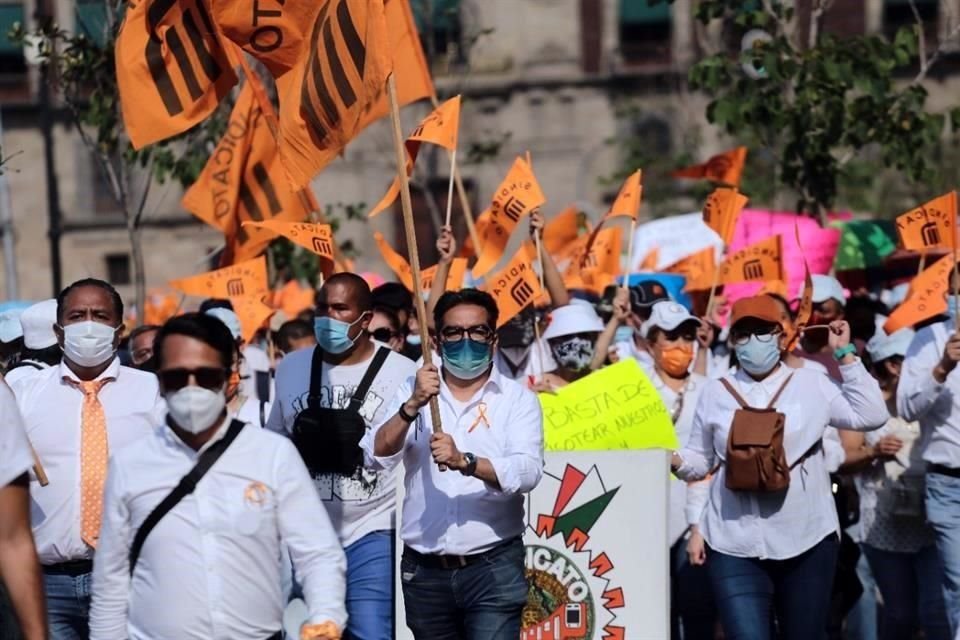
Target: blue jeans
{"points": [[910, 584], [370, 587], [943, 514], [68, 606], [692, 613], [747, 591], [482, 601]]}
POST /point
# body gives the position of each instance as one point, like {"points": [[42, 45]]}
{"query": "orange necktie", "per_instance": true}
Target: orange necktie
{"points": [[93, 460]]}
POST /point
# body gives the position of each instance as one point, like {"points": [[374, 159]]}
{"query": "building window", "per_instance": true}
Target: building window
{"points": [[441, 34], [645, 32], [118, 268], [91, 20], [12, 61], [897, 14]]}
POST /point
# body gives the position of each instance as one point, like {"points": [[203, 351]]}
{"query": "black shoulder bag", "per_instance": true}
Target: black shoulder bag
{"points": [[184, 488], [329, 439]]}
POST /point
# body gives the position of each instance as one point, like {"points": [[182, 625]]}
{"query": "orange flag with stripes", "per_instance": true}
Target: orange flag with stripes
{"points": [[515, 287], [172, 69], [404, 272], [244, 181], [272, 31], [699, 269], [724, 168], [439, 128], [929, 226], [317, 238], [721, 210], [926, 298], [338, 74], [517, 195], [760, 261], [236, 281]]}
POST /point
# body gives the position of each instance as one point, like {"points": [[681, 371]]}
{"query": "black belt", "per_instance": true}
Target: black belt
{"points": [[73, 568], [277, 636], [943, 471], [449, 562]]}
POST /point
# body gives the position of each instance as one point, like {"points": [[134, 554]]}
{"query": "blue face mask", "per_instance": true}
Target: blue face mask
{"points": [[624, 334], [466, 359], [414, 339], [333, 335], [758, 357]]}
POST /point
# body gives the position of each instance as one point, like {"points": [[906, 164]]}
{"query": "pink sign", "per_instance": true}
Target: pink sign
{"points": [[819, 245]]}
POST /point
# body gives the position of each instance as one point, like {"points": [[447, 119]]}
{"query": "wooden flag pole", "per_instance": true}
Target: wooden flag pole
{"points": [[536, 322], [453, 170], [462, 194], [629, 270], [411, 236], [923, 262], [38, 469], [713, 287]]}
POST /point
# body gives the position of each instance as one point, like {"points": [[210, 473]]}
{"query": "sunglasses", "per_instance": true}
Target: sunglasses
{"points": [[210, 378], [383, 334]]}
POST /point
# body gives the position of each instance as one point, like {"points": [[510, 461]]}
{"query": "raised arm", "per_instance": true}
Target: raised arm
{"points": [[621, 311], [447, 250], [552, 279], [925, 371]]}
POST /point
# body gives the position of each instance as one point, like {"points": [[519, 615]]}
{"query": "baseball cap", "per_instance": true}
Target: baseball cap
{"points": [[10, 328], [759, 307], [667, 315], [882, 346], [37, 322], [647, 293], [229, 318], [827, 288], [572, 318]]}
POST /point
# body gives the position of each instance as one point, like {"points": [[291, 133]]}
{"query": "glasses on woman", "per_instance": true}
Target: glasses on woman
{"points": [[210, 378], [383, 334], [740, 338], [477, 333]]}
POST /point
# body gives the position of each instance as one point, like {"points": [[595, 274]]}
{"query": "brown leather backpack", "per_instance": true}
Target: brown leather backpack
{"points": [[756, 460]]}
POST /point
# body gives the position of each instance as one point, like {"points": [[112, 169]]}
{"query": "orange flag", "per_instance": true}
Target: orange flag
{"points": [[399, 265], [628, 200], [929, 226], [243, 181], [252, 313], [725, 168], [336, 77], [439, 128], [587, 266], [721, 210], [514, 288], [236, 281], [481, 224], [927, 297], [517, 195], [159, 308], [760, 261], [292, 298], [562, 230], [317, 238], [172, 69], [651, 260], [699, 269]]}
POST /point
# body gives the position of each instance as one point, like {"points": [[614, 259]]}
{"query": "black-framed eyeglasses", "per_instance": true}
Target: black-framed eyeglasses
{"points": [[742, 337], [686, 333], [211, 378], [383, 334], [477, 333]]}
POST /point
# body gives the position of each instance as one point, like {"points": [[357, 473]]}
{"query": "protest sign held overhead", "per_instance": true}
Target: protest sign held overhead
{"points": [[721, 210], [759, 262], [236, 281], [927, 296], [514, 287], [172, 69], [725, 168], [930, 226]]}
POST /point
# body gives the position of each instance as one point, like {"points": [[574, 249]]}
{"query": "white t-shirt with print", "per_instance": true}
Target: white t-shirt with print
{"points": [[365, 502]]}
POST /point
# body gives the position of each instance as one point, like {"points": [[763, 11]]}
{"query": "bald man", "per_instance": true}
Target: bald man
{"points": [[326, 400]]}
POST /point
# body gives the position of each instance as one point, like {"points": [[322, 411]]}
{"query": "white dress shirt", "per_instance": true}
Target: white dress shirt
{"points": [[211, 568], [16, 375], [15, 456], [935, 406], [451, 514], [778, 525], [52, 410]]}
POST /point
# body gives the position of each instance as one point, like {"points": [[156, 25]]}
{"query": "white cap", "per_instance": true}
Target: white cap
{"points": [[37, 322], [229, 318], [882, 346], [827, 288], [667, 315], [572, 318], [10, 328]]}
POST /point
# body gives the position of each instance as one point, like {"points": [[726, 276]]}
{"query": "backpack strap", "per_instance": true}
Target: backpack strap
{"points": [[184, 488], [360, 393], [743, 403], [776, 396], [316, 377], [263, 414]]}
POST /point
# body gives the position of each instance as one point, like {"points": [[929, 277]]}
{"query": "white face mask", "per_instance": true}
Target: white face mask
{"points": [[195, 409], [89, 344]]}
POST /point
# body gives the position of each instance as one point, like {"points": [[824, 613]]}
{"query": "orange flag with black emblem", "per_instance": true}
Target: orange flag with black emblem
{"points": [[252, 312], [760, 261], [236, 281], [929, 226], [725, 168], [591, 263], [926, 298], [338, 75], [514, 287], [317, 238], [172, 68], [698, 268], [439, 128], [721, 210], [399, 265], [517, 195], [244, 181]]}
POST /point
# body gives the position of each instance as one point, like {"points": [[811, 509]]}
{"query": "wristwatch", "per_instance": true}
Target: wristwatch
{"points": [[406, 417], [471, 466]]}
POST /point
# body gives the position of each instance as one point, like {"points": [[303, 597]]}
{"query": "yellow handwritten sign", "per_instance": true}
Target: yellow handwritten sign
{"points": [[614, 408]]}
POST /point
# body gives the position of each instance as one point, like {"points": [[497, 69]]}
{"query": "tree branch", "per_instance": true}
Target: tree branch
{"points": [[928, 62], [138, 214]]}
